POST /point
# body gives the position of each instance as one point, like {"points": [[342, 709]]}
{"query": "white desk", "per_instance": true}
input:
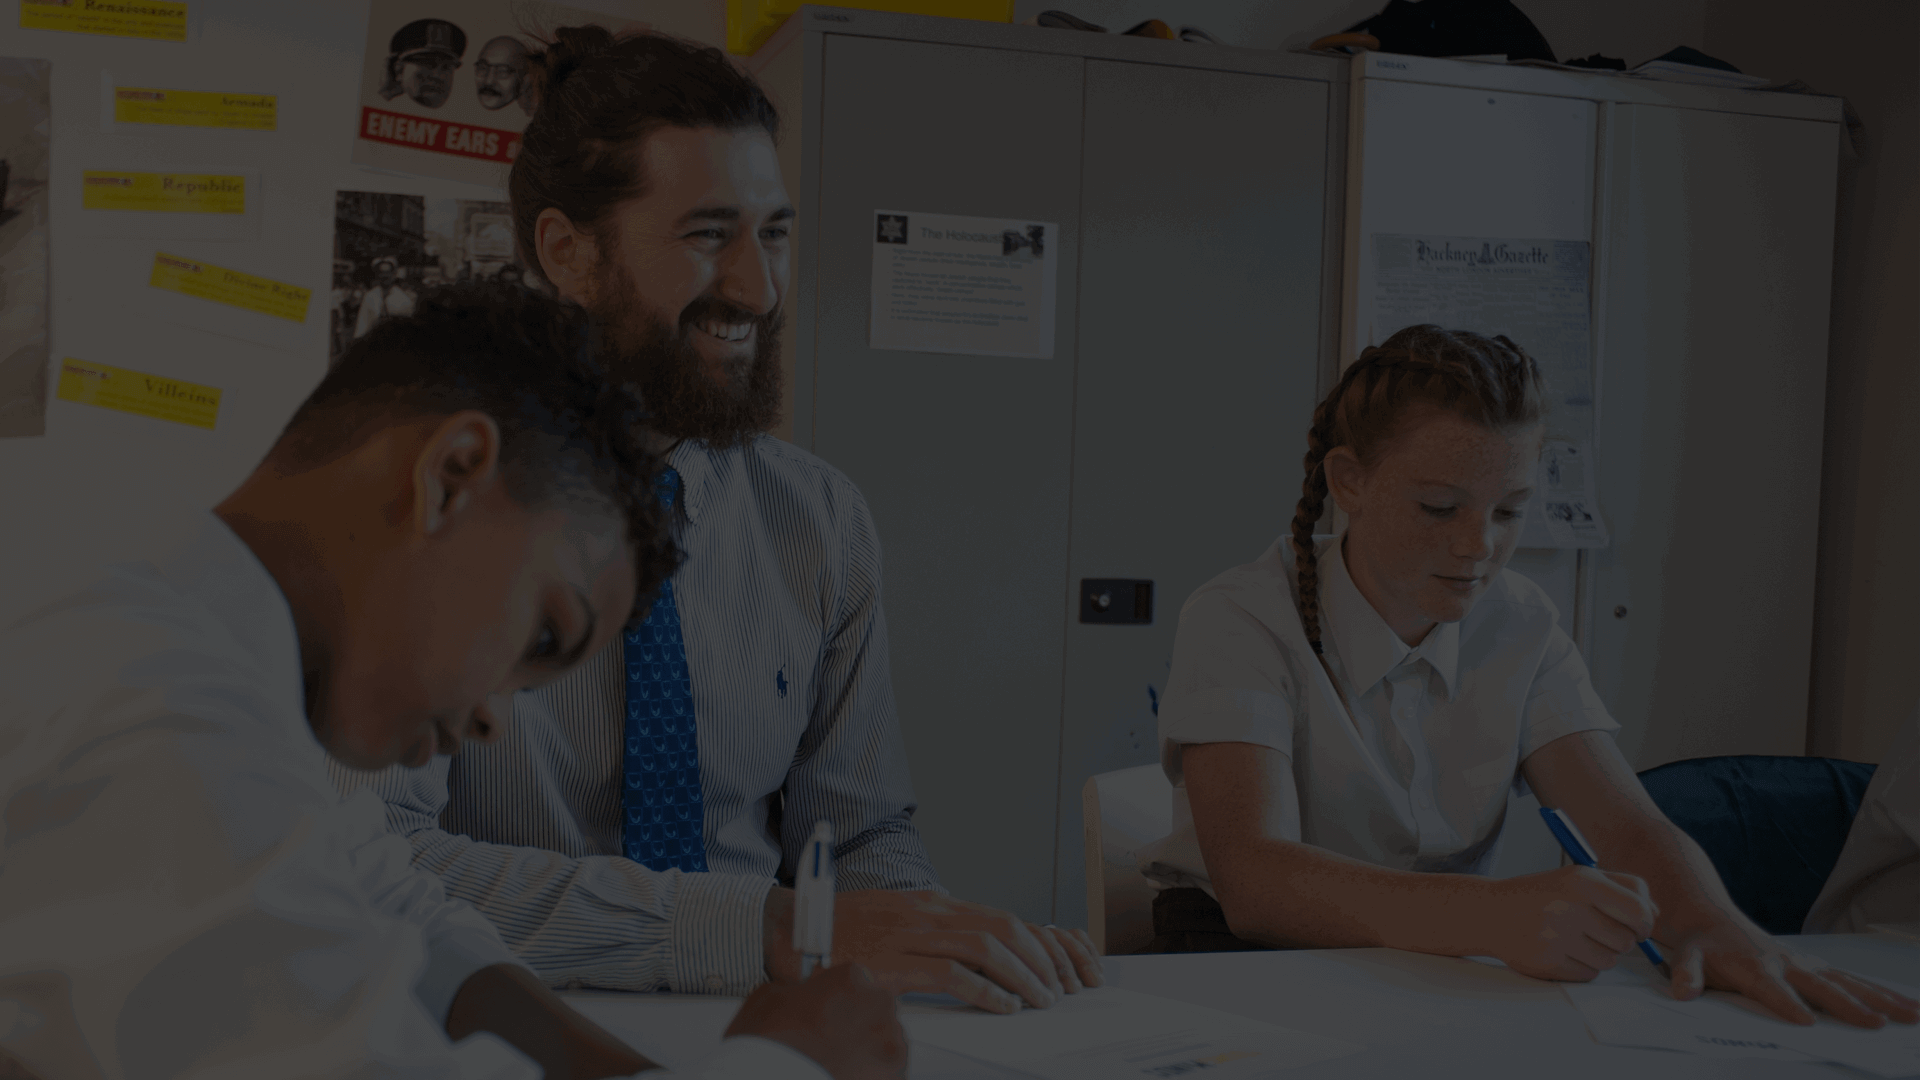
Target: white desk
{"points": [[1416, 1015]]}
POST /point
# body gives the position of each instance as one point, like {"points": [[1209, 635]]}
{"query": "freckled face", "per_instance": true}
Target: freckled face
{"points": [[1436, 517]]}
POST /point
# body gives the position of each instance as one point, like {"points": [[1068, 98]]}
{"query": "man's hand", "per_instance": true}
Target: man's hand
{"points": [[1748, 961], [922, 942], [511, 1002], [841, 1018]]}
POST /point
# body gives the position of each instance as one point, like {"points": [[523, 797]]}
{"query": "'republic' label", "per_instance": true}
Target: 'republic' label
{"points": [[181, 193]]}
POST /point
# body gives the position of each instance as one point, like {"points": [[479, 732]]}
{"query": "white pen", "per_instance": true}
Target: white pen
{"points": [[813, 902]]}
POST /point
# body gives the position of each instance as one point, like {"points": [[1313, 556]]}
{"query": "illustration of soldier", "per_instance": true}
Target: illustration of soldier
{"points": [[421, 60]]}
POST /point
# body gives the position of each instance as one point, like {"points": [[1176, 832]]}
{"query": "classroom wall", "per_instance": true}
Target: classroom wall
{"points": [[1865, 632], [101, 468]]}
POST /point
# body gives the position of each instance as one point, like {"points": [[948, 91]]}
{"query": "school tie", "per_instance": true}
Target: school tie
{"points": [[662, 790]]}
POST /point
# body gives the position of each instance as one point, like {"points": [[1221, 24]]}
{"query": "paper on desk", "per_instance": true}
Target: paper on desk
{"points": [[1624, 1007], [1109, 1032]]}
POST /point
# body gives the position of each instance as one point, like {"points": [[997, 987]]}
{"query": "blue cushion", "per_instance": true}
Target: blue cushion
{"points": [[1773, 826]]}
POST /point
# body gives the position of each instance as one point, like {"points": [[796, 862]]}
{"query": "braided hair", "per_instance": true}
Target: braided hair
{"points": [[597, 96], [1490, 381]]}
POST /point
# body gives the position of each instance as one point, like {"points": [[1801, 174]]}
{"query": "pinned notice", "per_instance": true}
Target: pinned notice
{"points": [[950, 284], [187, 193], [139, 393], [193, 108], [154, 20], [1564, 511], [221, 285]]}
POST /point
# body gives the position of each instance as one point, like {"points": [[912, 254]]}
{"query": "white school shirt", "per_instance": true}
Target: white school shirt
{"points": [[1877, 879], [1417, 776], [182, 889], [780, 606]]}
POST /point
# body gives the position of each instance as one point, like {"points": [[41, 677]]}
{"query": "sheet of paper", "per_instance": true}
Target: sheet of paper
{"points": [[204, 201], [192, 108], [195, 277], [680, 1031], [1109, 1032], [1625, 1007], [1535, 292], [444, 85], [154, 20], [1564, 511], [945, 283], [25, 123], [138, 393]]}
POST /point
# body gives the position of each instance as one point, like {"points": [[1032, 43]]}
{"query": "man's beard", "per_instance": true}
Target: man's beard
{"points": [[682, 400]]}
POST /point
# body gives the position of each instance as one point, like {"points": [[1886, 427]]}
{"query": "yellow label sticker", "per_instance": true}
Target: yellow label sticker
{"points": [[155, 20], [188, 193], [194, 108], [139, 393], [219, 284]]}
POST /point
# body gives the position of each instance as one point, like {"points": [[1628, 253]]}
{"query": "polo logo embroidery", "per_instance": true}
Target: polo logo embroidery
{"points": [[780, 681]]}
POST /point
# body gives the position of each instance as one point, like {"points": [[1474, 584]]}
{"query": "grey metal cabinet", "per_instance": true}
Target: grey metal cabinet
{"points": [[1197, 192], [1717, 230]]}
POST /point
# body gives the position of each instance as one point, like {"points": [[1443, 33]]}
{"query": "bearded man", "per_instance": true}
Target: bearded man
{"points": [[632, 834]]}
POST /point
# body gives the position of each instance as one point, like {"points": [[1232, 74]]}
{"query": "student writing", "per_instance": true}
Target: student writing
{"points": [[1346, 716], [460, 509]]}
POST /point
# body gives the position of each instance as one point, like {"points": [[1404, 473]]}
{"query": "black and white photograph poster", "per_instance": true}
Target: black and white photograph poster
{"points": [[388, 249], [444, 87], [24, 123], [971, 285]]}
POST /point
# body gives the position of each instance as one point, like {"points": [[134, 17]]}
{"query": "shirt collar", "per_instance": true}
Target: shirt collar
{"points": [[1367, 647], [213, 566], [693, 460]]}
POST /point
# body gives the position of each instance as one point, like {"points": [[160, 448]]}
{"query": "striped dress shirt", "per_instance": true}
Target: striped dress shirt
{"points": [[779, 598]]}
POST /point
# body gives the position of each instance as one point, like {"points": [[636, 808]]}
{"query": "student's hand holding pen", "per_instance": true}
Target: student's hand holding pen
{"points": [[923, 942], [1568, 924], [839, 1017]]}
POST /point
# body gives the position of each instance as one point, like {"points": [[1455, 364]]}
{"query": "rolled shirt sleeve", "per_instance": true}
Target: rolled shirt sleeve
{"points": [[1229, 682], [1561, 700]]}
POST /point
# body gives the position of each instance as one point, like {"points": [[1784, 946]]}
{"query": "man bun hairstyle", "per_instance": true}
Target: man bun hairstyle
{"points": [[568, 432], [1489, 381], [597, 95]]}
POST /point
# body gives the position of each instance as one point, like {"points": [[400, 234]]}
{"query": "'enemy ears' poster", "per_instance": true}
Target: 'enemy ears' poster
{"points": [[444, 89]]}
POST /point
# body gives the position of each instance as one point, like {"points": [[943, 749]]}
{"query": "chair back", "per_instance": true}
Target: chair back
{"points": [[1773, 826], [1124, 812]]}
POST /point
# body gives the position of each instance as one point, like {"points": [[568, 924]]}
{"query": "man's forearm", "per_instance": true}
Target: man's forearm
{"points": [[509, 1001]]}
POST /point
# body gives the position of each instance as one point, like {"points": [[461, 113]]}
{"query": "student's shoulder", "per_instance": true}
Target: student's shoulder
{"points": [[1259, 591]]}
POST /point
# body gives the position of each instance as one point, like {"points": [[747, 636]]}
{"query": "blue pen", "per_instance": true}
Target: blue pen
{"points": [[1580, 852]]}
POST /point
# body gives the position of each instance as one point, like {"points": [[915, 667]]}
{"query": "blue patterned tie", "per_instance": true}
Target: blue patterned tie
{"points": [[662, 790]]}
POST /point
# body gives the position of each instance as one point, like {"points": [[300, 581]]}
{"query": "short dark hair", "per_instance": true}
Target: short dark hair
{"points": [[596, 97], [567, 430]]}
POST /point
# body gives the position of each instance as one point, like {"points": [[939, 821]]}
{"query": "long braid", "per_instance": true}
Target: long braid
{"points": [[1313, 503], [1491, 381]]}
